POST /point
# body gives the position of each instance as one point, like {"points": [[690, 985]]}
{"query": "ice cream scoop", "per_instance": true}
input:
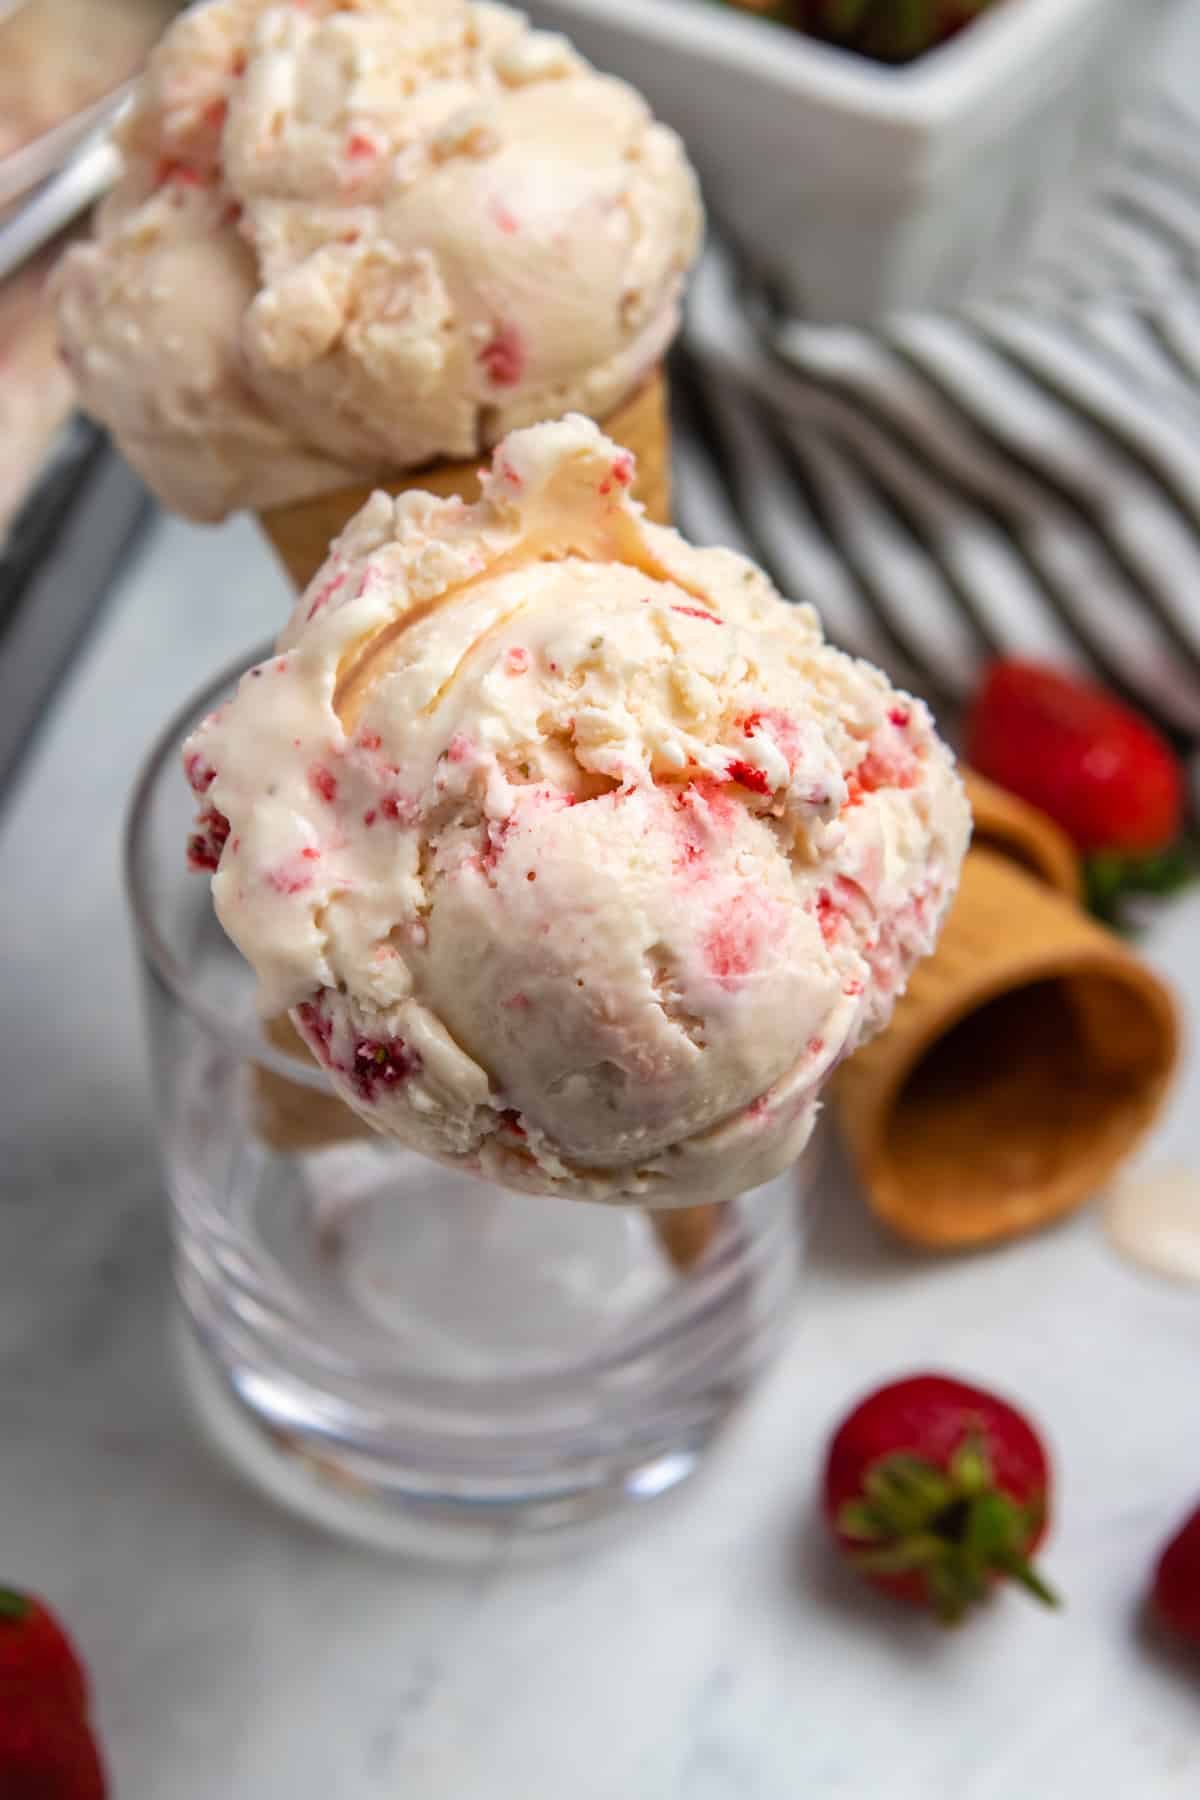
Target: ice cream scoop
{"points": [[579, 858], [359, 236]]}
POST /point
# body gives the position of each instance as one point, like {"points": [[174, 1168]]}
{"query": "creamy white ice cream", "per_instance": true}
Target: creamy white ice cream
{"points": [[577, 854], [357, 236]]}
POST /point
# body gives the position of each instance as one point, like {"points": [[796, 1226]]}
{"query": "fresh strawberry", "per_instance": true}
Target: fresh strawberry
{"points": [[892, 31], [783, 10], [36, 1653], [1176, 1592], [47, 1752], [1069, 748], [1089, 762], [936, 1490]]}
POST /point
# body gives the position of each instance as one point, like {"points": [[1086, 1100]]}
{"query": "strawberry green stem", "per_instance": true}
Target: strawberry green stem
{"points": [[953, 1527], [1114, 877]]}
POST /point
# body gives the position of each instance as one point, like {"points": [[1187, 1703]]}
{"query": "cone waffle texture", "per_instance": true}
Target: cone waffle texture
{"points": [[1028, 1057], [1023, 835], [302, 534]]}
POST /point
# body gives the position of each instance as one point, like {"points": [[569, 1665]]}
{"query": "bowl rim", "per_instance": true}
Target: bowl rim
{"points": [[940, 86]]}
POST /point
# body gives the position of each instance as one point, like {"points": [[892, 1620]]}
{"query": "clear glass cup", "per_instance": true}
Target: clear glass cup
{"points": [[417, 1358]]}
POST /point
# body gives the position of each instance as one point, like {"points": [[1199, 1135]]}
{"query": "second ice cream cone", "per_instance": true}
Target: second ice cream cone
{"points": [[301, 534], [1023, 1064]]}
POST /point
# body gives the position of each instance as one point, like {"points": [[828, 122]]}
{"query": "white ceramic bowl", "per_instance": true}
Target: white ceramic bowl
{"points": [[863, 188]]}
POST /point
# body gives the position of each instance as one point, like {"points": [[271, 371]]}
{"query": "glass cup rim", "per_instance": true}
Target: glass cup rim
{"points": [[168, 967]]}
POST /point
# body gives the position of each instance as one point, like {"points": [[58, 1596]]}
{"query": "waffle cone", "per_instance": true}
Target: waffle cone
{"points": [[685, 1233], [303, 532], [290, 1116], [1023, 835], [1027, 1058]]}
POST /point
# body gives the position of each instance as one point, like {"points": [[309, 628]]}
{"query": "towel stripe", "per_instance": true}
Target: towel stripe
{"points": [[828, 489], [1019, 476]]}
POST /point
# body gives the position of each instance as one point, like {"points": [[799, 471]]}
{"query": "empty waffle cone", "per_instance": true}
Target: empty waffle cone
{"points": [[1027, 1058], [303, 532], [1023, 835]]}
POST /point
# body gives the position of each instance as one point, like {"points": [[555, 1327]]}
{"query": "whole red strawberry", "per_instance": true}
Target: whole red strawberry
{"points": [[936, 1490], [892, 31], [35, 1652], [1100, 770], [47, 1751], [1176, 1592], [1068, 747]]}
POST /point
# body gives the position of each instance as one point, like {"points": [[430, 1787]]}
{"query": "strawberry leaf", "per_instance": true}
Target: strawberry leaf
{"points": [[992, 1524], [845, 16], [952, 1527], [1018, 1569], [971, 1466], [921, 1551], [1113, 879], [861, 1521]]}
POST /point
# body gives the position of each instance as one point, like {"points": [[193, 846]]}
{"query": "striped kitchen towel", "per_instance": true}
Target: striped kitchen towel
{"points": [[1019, 476]]}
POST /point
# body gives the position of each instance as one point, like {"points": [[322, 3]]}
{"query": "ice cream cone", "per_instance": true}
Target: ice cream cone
{"points": [[292, 1116], [1027, 1058], [302, 533], [686, 1232]]}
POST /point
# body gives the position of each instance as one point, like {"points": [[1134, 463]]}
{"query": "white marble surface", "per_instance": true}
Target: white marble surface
{"points": [[716, 1651]]}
